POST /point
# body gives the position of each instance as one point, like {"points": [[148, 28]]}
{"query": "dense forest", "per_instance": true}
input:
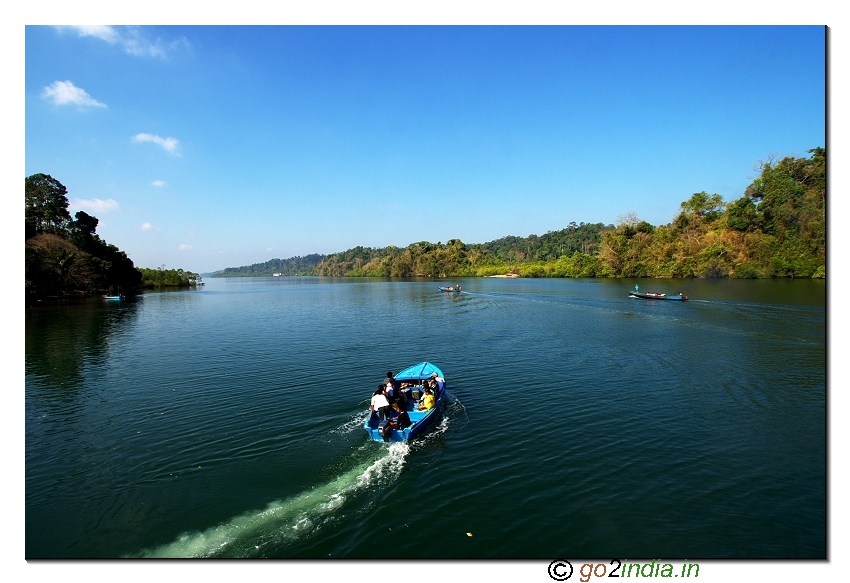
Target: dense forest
{"points": [[64, 256], [776, 229]]}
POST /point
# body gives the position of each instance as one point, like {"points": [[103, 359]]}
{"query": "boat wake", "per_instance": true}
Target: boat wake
{"points": [[354, 423], [261, 532]]}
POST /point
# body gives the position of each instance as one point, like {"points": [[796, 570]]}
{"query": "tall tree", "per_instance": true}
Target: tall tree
{"points": [[46, 204], [82, 230]]}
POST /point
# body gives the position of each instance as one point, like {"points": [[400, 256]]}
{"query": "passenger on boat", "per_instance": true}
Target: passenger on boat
{"points": [[389, 391], [401, 419], [401, 398], [439, 382], [379, 404], [428, 401], [390, 379]]}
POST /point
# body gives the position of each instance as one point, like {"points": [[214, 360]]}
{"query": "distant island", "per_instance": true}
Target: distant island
{"points": [[65, 257], [777, 229]]}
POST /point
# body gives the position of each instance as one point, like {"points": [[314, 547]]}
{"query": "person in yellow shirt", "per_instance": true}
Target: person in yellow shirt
{"points": [[427, 402]]}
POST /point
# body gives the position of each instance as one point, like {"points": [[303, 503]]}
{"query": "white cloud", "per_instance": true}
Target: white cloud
{"points": [[159, 183], [66, 93], [148, 227], [185, 247], [131, 38], [167, 144], [107, 33], [269, 249], [94, 204]]}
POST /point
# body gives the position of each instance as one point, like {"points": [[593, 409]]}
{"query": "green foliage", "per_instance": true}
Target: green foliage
{"points": [[64, 256], [293, 266], [46, 204], [162, 277], [777, 229]]}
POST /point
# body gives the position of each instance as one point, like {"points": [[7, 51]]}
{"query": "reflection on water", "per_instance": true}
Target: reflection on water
{"points": [[64, 338]]}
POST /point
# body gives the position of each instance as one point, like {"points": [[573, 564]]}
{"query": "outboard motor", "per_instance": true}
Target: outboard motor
{"points": [[385, 428]]}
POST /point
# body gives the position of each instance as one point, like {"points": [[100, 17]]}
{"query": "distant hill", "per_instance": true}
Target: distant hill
{"points": [[293, 266], [367, 261], [776, 229]]}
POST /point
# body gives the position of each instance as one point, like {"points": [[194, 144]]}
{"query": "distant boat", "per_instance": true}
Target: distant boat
{"points": [[276, 274], [451, 289], [636, 293], [414, 377], [120, 296]]}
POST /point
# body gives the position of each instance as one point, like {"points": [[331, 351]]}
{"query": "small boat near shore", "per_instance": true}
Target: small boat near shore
{"points": [[114, 297], [636, 293], [411, 381], [451, 289]]}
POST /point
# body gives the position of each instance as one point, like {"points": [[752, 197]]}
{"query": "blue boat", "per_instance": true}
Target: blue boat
{"points": [[636, 293], [451, 289], [113, 297], [410, 380]]}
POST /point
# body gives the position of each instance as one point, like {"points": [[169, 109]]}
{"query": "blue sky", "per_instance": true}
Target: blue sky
{"points": [[204, 147]]}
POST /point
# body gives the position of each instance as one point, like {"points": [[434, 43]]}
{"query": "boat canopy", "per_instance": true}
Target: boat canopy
{"points": [[418, 372]]}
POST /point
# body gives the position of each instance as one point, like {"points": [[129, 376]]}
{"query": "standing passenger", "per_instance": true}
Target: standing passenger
{"points": [[379, 404], [440, 382], [390, 379]]}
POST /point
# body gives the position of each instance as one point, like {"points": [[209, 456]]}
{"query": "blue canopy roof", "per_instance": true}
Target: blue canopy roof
{"points": [[417, 372]]}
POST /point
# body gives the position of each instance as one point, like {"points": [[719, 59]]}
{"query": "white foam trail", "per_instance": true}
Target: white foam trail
{"points": [[355, 422], [286, 520]]}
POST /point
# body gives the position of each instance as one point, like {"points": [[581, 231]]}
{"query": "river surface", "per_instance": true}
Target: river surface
{"points": [[227, 421]]}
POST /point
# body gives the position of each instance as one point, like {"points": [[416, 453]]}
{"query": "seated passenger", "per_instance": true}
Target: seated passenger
{"points": [[401, 398], [428, 401], [401, 419]]}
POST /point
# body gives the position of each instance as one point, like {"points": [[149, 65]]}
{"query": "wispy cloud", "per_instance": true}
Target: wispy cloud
{"points": [[185, 247], [94, 204], [159, 183], [132, 39], [148, 227], [168, 144], [107, 33], [66, 93]]}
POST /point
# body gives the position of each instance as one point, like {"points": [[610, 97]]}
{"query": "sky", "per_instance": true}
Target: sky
{"points": [[205, 147]]}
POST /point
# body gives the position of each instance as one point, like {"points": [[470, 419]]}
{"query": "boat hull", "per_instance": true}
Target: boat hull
{"points": [[657, 296], [420, 420]]}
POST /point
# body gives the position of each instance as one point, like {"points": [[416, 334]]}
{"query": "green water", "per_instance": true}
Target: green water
{"points": [[227, 421]]}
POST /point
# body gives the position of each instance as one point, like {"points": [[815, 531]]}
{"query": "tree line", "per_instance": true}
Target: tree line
{"points": [[65, 256], [777, 228]]}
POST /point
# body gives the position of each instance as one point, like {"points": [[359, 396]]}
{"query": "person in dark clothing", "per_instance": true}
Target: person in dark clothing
{"points": [[401, 419], [390, 379]]}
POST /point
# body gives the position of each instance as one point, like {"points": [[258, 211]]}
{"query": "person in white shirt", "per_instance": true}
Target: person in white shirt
{"points": [[379, 404]]}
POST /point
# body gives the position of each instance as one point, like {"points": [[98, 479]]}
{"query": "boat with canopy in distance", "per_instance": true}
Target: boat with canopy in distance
{"points": [[412, 382], [636, 293]]}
